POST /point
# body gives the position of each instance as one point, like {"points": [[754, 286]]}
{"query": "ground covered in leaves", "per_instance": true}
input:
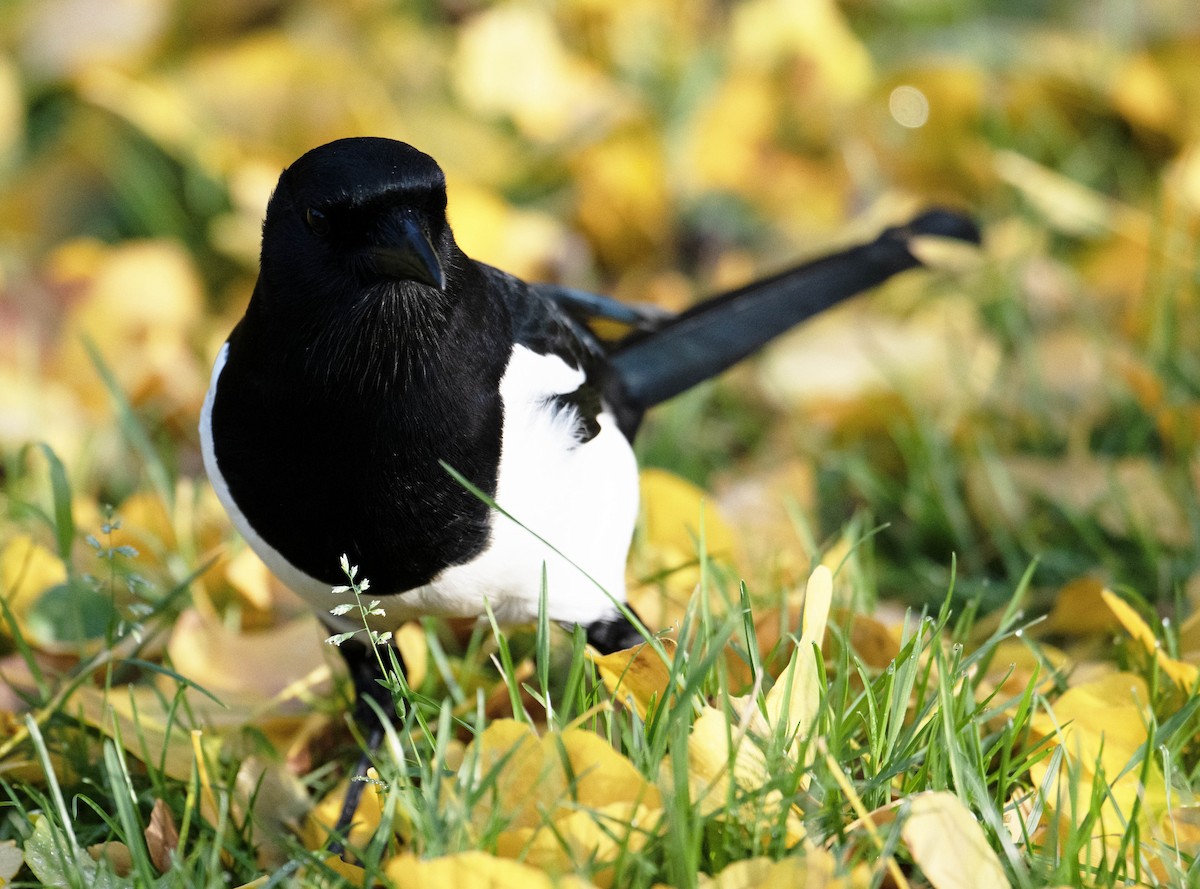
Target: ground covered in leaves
{"points": [[927, 573]]}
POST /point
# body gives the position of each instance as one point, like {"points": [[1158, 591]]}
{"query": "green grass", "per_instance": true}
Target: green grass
{"points": [[917, 725]]}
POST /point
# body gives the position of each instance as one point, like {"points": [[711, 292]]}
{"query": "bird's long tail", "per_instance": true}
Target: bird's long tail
{"points": [[716, 334]]}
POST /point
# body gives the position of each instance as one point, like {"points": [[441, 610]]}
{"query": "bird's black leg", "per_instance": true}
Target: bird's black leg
{"points": [[363, 661], [614, 633]]}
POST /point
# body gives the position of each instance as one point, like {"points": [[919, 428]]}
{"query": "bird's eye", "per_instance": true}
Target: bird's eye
{"points": [[317, 221]]}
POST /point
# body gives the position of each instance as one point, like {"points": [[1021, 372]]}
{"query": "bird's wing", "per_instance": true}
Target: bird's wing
{"points": [[542, 322], [585, 305]]}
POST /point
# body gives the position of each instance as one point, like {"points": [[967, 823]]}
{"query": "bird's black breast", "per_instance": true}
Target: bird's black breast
{"points": [[320, 469]]}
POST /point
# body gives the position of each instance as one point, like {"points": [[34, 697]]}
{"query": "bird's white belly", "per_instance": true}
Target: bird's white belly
{"points": [[572, 507]]}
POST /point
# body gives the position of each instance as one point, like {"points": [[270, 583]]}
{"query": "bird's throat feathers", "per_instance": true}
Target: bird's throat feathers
{"points": [[394, 335], [380, 341]]}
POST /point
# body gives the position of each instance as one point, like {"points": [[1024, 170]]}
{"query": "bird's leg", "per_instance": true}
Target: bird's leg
{"points": [[363, 660]]}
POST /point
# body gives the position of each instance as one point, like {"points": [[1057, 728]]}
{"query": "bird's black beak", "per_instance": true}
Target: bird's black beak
{"points": [[409, 256]]}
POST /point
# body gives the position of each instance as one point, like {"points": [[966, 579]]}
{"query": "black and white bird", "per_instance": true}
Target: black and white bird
{"points": [[374, 354]]}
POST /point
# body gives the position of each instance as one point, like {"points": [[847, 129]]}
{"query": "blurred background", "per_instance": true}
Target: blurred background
{"points": [[1039, 399]]}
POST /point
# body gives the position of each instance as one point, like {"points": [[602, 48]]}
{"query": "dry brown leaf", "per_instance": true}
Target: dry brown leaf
{"points": [[116, 855], [162, 836]]}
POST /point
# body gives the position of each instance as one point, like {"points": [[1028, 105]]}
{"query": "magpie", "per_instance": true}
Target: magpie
{"points": [[377, 368]]}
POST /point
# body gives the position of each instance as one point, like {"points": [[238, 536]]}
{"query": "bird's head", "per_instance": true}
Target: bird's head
{"points": [[351, 219]]}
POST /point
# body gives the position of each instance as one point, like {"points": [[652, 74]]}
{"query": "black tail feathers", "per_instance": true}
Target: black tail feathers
{"points": [[714, 335]]}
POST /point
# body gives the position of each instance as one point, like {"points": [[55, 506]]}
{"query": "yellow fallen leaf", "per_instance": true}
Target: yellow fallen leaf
{"points": [[1069, 206], [12, 107], [510, 752], [530, 777], [11, 859], [1127, 496], [526, 243], [718, 750], [476, 870], [793, 701], [413, 646], [512, 61], [26, 569], [1184, 675], [673, 511], [245, 670], [250, 576], [1189, 638], [768, 32], [852, 362], [143, 298], [1179, 829], [1142, 91], [1014, 665], [638, 676], [324, 815], [147, 727], [594, 838], [1101, 726], [948, 844], [622, 200], [352, 873], [731, 130], [65, 39], [567, 798], [812, 870], [1079, 610]]}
